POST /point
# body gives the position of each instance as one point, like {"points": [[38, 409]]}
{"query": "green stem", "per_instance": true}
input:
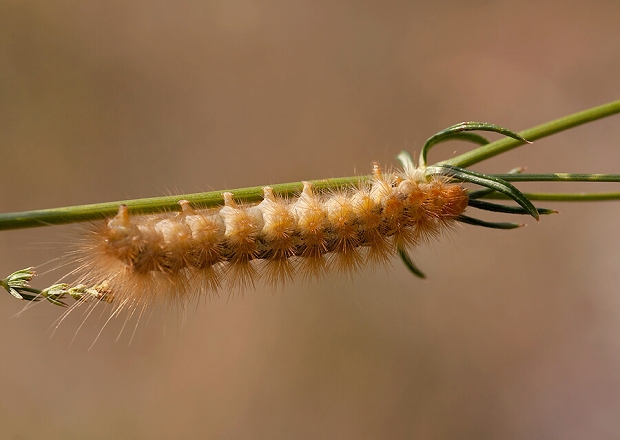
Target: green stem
{"points": [[559, 177], [83, 213], [532, 134], [97, 211], [564, 197]]}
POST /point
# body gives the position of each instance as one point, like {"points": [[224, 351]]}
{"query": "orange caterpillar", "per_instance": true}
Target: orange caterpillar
{"points": [[180, 256]]}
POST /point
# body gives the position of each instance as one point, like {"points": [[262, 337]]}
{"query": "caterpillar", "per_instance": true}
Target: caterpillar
{"points": [[180, 256]]}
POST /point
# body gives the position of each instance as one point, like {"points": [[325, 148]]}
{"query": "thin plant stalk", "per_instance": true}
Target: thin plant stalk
{"points": [[83, 213]]}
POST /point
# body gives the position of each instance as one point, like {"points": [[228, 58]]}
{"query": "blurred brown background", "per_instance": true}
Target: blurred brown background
{"points": [[515, 334]]}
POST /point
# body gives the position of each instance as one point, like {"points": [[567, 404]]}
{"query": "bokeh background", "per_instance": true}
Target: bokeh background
{"points": [[515, 334]]}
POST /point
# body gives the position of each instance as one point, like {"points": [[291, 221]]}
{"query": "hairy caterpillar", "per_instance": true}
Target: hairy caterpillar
{"points": [[178, 256]]}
